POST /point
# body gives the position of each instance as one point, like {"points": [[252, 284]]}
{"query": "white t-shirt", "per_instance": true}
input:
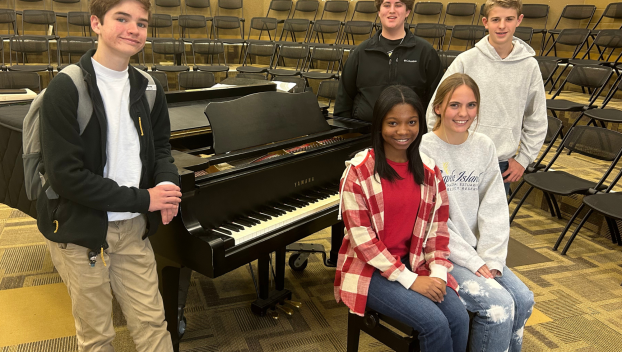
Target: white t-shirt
{"points": [[123, 163]]}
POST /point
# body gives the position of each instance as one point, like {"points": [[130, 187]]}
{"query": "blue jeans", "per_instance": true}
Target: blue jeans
{"points": [[442, 327], [503, 165], [502, 306]]}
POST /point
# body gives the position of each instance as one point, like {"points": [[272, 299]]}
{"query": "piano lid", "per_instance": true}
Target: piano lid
{"points": [[264, 118]]}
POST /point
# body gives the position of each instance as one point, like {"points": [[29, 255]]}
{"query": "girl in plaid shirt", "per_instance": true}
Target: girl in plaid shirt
{"points": [[393, 258]]}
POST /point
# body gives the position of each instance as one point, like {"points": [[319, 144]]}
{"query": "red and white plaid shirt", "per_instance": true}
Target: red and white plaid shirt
{"points": [[362, 252]]}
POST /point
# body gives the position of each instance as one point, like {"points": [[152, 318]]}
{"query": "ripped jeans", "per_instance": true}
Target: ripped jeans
{"points": [[502, 306]]}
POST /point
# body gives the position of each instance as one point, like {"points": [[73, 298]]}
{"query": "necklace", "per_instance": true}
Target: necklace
{"points": [[390, 52]]}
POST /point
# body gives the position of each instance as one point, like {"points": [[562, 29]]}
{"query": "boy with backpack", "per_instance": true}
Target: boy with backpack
{"points": [[113, 181], [513, 102]]}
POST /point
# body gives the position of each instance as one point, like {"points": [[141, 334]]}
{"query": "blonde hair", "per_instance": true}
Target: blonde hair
{"points": [[446, 89], [507, 4]]}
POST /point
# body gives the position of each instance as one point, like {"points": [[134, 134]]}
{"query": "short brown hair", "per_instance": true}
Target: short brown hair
{"points": [[508, 4], [409, 4], [99, 8], [446, 89]]}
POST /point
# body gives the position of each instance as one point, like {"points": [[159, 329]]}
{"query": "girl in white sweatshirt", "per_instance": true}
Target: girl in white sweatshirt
{"points": [[478, 219]]}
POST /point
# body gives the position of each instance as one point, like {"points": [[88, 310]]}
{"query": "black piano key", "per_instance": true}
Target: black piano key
{"points": [[232, 227], [271, 211], [304, 198], [330, 190], [222, 231], [283, 206], [256, 215], [325, 194], [246, 221], [313, 195], [240, 223], [295, 203]]}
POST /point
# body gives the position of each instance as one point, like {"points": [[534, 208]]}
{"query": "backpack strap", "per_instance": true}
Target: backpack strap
{"points": [[85, 105], [152, 89]]}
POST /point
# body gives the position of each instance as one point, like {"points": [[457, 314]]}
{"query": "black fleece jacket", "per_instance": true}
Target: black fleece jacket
{"points": [[75, 163], [368, 70]]}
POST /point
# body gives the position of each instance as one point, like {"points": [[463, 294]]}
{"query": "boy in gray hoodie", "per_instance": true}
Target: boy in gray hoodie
{"points": [[513, 102]]}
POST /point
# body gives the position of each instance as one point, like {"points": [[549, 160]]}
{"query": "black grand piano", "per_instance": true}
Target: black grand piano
{"points": [[259, 170]]}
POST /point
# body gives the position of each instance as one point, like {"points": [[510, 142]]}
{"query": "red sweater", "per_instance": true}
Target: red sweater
{"points": [[401, 203]]}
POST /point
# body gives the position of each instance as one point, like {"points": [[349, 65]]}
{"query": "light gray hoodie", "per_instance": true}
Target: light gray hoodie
{"points": [[479, 225], [513, 102]]}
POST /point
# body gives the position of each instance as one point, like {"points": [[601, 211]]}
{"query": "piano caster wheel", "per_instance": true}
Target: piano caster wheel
{"points": [[297, 265], [273, 314], [182, 327], [286, 310], [293, 303]]}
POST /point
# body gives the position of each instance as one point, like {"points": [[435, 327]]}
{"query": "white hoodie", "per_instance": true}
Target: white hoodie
{"points": [[513, 102]]}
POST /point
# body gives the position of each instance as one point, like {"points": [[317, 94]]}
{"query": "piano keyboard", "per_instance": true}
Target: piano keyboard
{"points": [[279, 214]]}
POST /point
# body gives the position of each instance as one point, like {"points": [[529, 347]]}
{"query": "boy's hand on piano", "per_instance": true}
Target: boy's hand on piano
{"points": [[164, 197], [431, 287]]}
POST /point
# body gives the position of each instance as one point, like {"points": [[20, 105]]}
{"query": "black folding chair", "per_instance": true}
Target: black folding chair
{"points": [[594, 142], [210, 48], [257, 49], [195, 80]]}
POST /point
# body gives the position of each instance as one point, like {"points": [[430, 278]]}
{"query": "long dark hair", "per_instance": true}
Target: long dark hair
{"points": [[390, 97]]}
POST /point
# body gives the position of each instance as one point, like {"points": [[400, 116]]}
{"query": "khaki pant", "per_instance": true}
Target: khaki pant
{"points": [[131, 273]]}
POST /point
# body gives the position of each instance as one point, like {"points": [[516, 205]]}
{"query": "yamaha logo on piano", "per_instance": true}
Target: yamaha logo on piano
{"points": [[304, 182]]}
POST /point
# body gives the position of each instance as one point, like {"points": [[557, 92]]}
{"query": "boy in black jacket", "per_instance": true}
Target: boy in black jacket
{"points": [[392, 56], [116, 180]]}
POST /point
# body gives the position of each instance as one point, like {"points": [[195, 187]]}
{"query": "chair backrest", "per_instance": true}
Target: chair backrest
{"points": [[364, 7], [328, 89], [29, 44], [210, 48], [613, 11], [430, 30], [447, 58], [161, 77], [195, 80], [198, 4], [595, 142], [19, 80], [572, 37], [332, 55], [8, 16], [168, 46], [260, 48], [460, 9], [261, 24], [158, 21], [470, 33], [191, 22], [293, 51], [291, 26], [524, 33], [547, 67], [39, 17], [336, 7], [325, 27], [606, 39], [231, 5], [553, 130], [576, 13], [307, 6], [167, 3], [79, 18], [593, 76], [535, 12], [251, 75], [227, 22], [280, 6]]}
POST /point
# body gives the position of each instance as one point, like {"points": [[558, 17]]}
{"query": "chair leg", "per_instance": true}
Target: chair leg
{"points": [[354, 332], [520, 204], [547, 197], [612, 230], [559, 213], [576, 231], [563, 234], [522, 182]]}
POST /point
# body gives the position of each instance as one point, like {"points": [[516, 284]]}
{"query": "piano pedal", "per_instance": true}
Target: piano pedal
{"points": [[273, 314], [286, 310], [294, 303]]}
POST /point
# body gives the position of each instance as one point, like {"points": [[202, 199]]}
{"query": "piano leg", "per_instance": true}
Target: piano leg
{"points": [[175, 283], [336, 237], [266, 299]]}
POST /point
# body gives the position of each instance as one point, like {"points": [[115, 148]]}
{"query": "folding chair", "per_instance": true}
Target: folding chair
{"points": [[593, 142], [328, 90], [290, 51], [460, 9], [571, 37], [295, 24], [189, 22], [603, 114], [159, 21], [592, 77], [8, 17], [200, 4], [161, 77], [168, 4], [257, 49], [169, 47], [331, 55], [261, 24], [210, 48], [45, 18], [535, 12], [577, 13], [232, 5], [524, 33], [24, 45], [354, 27], [432, 31], [553, 131], [80, 19], [606, 203], [324, 26]]}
